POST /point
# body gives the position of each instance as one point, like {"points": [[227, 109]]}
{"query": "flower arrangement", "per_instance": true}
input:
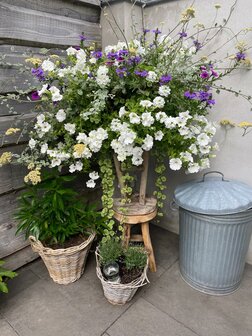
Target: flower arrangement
{"points": [[151, 94]]}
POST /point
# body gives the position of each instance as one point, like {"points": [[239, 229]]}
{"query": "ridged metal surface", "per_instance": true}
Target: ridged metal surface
{"points": [[213, 250]]}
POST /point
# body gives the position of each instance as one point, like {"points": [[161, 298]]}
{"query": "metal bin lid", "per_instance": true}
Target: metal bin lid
{"points": [[214, 196]]}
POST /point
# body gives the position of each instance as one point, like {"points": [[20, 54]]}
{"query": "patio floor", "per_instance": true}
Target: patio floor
{"points": [[167, 306]]}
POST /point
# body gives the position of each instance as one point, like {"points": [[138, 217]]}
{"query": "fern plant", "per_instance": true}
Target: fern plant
{"points": [[4, 273]]}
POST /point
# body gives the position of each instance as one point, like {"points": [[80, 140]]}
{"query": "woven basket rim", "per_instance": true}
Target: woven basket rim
{"points": [[139, 282], [37, 246]]}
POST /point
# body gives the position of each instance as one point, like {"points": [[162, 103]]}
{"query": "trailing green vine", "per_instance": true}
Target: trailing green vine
{"points": [[160, 183]]}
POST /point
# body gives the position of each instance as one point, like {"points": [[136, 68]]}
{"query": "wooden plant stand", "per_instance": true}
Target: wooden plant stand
{"points": [[140, 211]]}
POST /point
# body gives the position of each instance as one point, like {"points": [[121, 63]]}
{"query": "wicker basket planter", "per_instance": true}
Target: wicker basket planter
{"points": [[116, 293], [64, 265]]}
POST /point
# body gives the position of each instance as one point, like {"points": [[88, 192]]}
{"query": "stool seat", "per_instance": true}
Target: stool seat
{"points": [[135, 208]]}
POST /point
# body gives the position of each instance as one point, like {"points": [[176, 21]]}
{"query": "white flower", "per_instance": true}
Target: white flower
{"points": [[186, 156], [127, 136], [47, 65], [61, 115], [175, 164], [210, 129], [122, 111], [71, 51], [159, 135], [78, 166], [164, 90], [40, 119], [94, 175], [44, 88], [204, 163], [90, 183], [193, 149], [203, 139], [102, 80], [55, 162], [32, 143], [148, 143], [102, 70], [92, 60], [159, 102], [193, 168], [152, 76], [81, 137], [161, 116], [170, 122], [70, 128], [56, 96], [45, 127], [81, 56], [147, 119], [44, 148], [145, 103], [137, 153], [134, 118]]}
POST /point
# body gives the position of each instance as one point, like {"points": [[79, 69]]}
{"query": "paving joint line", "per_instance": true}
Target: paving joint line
{"points": [[7, 321]]}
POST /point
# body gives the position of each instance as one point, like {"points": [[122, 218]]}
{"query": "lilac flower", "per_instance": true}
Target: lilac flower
{"points": [[190, 95], [197, 45], [182, 34], [111, 55], [240, 56], [203, 67], [214, 74], [142, 73], [35, 95], [156, 31], [210, 101], [204, 96], [82, 37], [123, 52], [146, 31], [204, 74], [121, 72], [165, 79], [97, 54], [39, 73], [134, 60]]}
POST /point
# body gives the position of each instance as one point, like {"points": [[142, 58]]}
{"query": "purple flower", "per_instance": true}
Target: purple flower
{"points": [[214, 73], [39, 73], [204, 74], [123, 53], [204, 96], [76, 47], [240, 56], [134, 60], [111, 55], [210, 101], [142, 73], [182, 34], [97, 54], [156, 31], [121, 72], [82, 37], [190, 95], [35, 95], [146, 31], [197, 45], [165, 79]]}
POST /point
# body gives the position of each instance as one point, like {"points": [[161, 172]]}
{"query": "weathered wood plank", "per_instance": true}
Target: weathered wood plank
{"points": [[39, 28], [74, 9], [20, 258], [16, 108], [12, 80]]}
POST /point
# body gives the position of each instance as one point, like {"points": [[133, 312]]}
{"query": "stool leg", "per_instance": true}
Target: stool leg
{"points": [[126, 234], [148, 246]]}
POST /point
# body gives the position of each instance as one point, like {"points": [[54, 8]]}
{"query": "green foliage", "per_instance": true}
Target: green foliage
{"points": [[4, 273], [110, 250], [52, 212], [135, 257]]}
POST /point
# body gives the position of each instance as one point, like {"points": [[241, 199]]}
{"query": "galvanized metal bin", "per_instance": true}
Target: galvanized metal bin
{"points": [[215, 223]]}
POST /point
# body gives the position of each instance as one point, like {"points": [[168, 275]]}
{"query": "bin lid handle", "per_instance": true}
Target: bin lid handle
{"points": [[214, 172]]}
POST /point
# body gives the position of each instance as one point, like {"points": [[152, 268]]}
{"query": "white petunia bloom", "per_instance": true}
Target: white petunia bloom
{"points": [[134, 118], [137, 153], [159, 102], [55, 162], [127, 137], [77, 166], [45, 127], [94, 175], [56, 96], [147, 119], [204, 163], [44, 148], [44, 88], [159, 135], [60, 115], [186, 156], [175, 164], [170, 122], [164, 91], [152, 76], [161, 116], [32, 143], [70, 128], [93, 60], [122, 111], [193, 168], [47, 65], [40, 119], [90, 183], [146, 103], [71, 51], [210, 129], [193, 149], [204, 149], [203, 139], [82, 137], [81, 56], [148, 143]]}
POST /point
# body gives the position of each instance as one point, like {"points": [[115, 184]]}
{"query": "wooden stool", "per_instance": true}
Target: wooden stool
{"points": [[137, 214], [140, 211]]}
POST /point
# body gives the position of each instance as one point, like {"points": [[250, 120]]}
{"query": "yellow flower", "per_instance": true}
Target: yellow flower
{"points": [[199, 25], [188, 14], [34, 60], [241, 46], [217, 5], [12, 131], [5, 158], [34, 176], [132, 50], [246, 62], [79, 149], [245, 124], [31, 166], [226, 122]]}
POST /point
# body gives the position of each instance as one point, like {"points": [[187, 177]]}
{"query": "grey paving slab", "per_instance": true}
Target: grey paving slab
{"points": [[6, 329], [143, 319], [206, 315]]}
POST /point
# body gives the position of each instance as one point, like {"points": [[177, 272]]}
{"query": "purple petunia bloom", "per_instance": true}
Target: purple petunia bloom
{"points": [[204, 96], [35, 95], [111, 55], [204, 74], [123, 52], [165, 79], [182, 34], [134, 60], [121, 72], [214, 73], [142, 73], [190, 95], [197, 45], [156, 31], [97, 54], [39, 73], [211, 102], [240, 56], [82, 37]]}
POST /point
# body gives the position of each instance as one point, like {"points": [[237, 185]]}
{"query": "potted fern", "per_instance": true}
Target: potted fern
{"points": [[59, 225]]}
